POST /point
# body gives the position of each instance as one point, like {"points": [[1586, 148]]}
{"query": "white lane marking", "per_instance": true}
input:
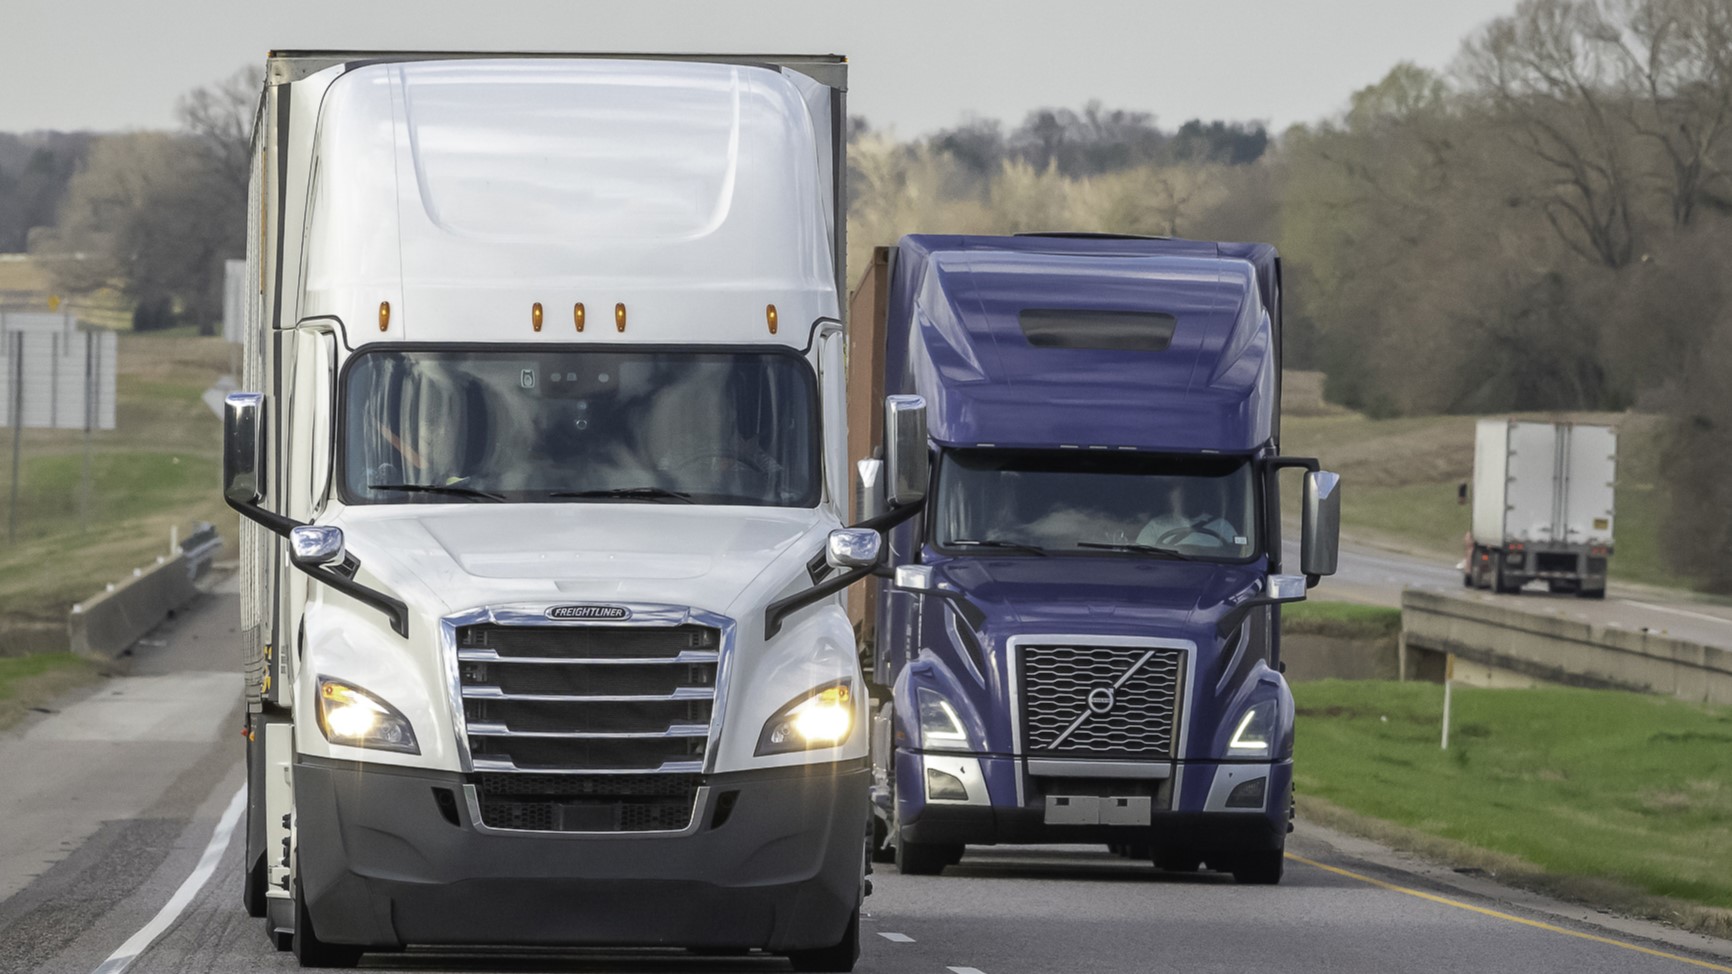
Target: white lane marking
{"points": [[177, 904], [1705, 617], [897, 938], [966, 970]]}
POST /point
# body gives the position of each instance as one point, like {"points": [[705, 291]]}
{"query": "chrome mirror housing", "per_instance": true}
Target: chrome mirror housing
{"points": [[316, 546], [243, 448], [868, 490], [913, 578], [1284, 588], [1320, 523], [853, 548], [908, 464]]}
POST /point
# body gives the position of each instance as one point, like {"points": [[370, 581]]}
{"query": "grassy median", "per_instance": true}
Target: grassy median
{"points": [[1603, 787], [25, 680]]}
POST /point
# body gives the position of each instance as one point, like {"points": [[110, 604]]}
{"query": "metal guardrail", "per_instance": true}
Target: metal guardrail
{"points": [[1557, 650]]}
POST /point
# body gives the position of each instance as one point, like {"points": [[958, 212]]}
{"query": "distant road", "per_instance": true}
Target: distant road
{"points": [[1376, 576]]}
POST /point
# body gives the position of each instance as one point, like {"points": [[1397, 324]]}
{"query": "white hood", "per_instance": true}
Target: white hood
{"points": [[466, 555]]}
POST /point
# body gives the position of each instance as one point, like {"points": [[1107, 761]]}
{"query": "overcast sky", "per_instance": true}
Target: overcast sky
{"points": [[916, 65]]}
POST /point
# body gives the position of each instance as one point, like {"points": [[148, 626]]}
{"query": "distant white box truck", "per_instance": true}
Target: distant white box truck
{"points": [[543, 461], [1542, 506]]}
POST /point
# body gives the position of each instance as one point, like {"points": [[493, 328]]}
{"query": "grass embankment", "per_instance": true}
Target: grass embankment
{"points": [[1400, 478], [24, 680], [156, 471], [1340, 620], [1581, 789]]}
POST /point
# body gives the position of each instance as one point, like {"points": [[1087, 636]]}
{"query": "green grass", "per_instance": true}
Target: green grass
{"points": [[1400, 478], [1596, 785], [25, 680], [156, 472], [1344, 620]]}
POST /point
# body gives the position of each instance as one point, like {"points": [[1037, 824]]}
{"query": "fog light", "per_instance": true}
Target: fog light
{"points": [[944, 787], [1248, 794]]}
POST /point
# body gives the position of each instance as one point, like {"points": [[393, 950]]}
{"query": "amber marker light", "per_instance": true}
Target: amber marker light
{"points": [[384, 315], [770, 316], [577, 315], [619, 316], [535, 316]]}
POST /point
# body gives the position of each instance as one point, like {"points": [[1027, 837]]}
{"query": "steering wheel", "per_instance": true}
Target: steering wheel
{"points": [[1177, 535]]}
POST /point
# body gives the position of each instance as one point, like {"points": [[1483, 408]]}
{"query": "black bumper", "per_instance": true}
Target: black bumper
{"points": [[1183, 833], [382, 866]]}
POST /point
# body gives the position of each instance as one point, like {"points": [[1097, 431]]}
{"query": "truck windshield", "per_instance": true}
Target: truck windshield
{"points": [[485, 425], [1008, 501]]}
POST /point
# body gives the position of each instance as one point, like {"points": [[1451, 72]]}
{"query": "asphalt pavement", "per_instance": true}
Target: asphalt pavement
{"points": [[119, 854], [1376, 576]]}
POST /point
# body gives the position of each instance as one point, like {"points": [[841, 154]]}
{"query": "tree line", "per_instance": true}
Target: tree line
{"points": [[1544, 225]]}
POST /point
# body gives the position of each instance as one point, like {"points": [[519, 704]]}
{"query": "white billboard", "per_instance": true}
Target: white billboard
{"points": [[55, 374]]}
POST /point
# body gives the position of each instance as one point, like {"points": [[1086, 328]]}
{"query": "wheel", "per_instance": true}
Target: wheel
{"points": [[883, 850], [1502, 586], [1561, 587], [310, 951], [1178, 863], [1591, 593], [1262, 868], [840, 957], [1467, 580]]}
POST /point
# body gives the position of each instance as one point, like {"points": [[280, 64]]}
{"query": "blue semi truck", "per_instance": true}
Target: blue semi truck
{"points": [[1076, 633]]}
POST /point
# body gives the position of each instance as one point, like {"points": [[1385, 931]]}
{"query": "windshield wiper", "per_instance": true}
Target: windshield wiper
{"points": [[994, 543], [456, 490], [648, 493], [1141, 549]]}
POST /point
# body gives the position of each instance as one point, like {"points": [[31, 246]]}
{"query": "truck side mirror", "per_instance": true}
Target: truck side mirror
{"points": [[1320, 523], [908, 463], [243, 447], [316, 546], [868, 490], [853, 548]]}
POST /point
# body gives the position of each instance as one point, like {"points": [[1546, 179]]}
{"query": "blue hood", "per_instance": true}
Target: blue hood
{"points": [[1109, 595]]}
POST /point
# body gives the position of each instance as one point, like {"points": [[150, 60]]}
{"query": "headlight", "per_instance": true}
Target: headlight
{"points": [[823, 718], [939, 725], [352, 716], [1255, 733]]}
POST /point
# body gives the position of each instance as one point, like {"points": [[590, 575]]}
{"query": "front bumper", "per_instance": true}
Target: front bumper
{"points": [[383, 866], [1193, 821]]}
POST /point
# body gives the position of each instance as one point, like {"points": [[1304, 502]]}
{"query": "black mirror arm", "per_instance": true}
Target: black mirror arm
{"points": [[1236, 615], [394, 609], [269, 520], [776, 611]]}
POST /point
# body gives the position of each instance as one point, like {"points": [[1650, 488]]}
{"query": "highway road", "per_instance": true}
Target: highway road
{"points": [[116, 854], [1376, 576]]}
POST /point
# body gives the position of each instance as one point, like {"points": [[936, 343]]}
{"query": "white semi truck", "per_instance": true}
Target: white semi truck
{"points": [[1542, 506], [543, 466]]}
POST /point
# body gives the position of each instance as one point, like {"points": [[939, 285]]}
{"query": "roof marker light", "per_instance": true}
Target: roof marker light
{"points": [[535, 316], [619, 316], [384, 315], [770, 316], [577, 315]]}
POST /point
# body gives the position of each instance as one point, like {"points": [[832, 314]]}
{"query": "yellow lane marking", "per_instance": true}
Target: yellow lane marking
{"points": [[1458, 904]]}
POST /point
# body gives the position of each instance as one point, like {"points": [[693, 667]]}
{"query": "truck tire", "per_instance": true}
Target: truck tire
{"points": [[840, 957], [924, 858], [1262, 868], [1500, 585], [883, 850], [1178, 863], [1590, 593], [310, 951]]}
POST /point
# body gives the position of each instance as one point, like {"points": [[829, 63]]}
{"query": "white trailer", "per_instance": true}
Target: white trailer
{"points": [[1542, 506], [544, 472]]}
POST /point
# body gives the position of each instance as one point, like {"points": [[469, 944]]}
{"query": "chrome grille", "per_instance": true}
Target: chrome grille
{"points": [[1136, 700], [587, 728]]}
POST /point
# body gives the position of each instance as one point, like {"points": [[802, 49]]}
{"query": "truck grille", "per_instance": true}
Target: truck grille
{"points": [[587, 728], [1101, 701]]}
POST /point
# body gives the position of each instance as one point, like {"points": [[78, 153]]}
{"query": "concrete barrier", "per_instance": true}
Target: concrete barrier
{"points": [[1555, 650], [107, 624]]}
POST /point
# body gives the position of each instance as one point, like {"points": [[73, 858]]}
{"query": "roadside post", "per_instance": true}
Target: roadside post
{"points": [[1448, 683]]}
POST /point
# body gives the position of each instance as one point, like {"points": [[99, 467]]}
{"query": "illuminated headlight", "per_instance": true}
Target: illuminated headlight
{"points": [[823, 718], [940, 727], [352, 716], [1256, 731]]}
